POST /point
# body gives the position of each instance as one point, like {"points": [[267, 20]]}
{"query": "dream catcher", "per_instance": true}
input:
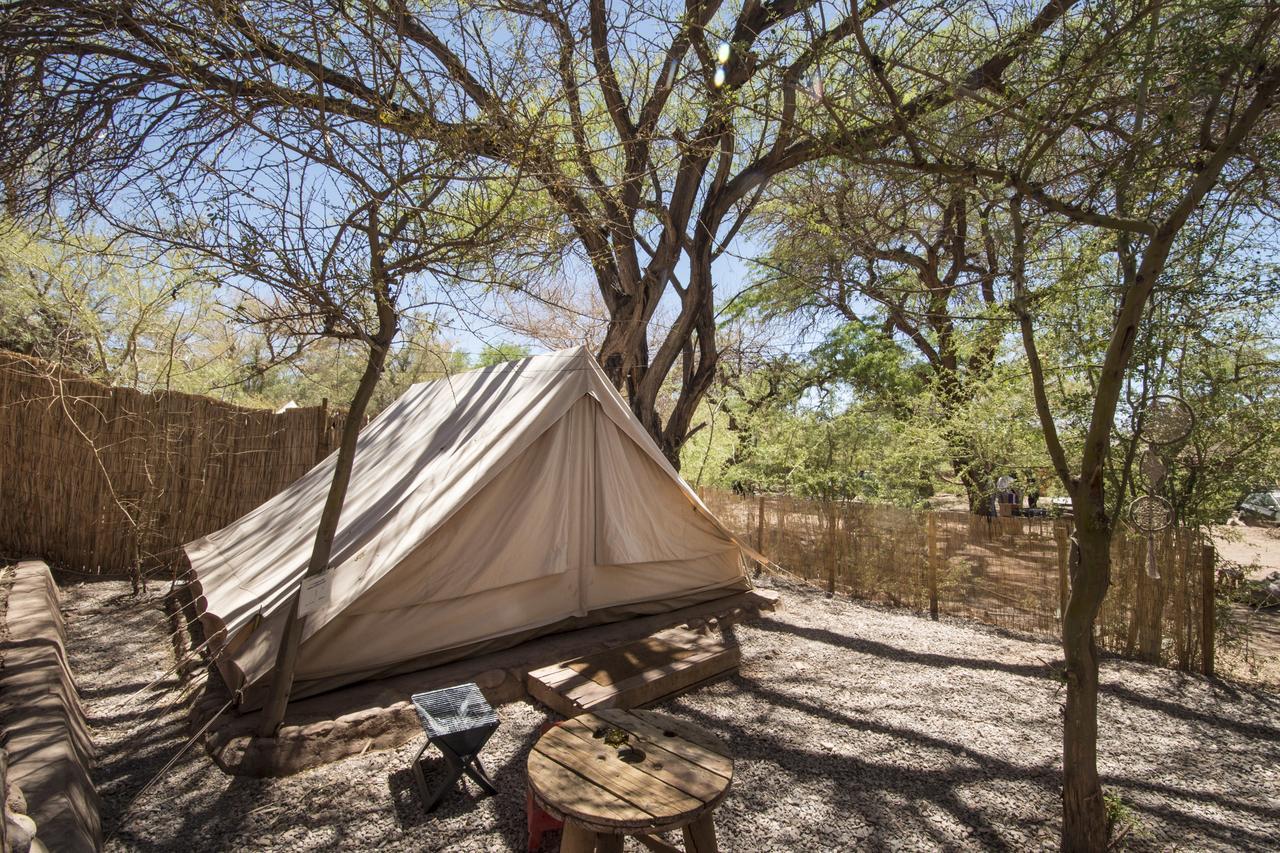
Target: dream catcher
{"points": [[1164, 421], [1151, 514]]}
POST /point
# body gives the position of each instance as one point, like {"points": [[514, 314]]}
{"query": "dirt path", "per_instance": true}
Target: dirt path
{"points": [[1256, 548], [853, 728]]}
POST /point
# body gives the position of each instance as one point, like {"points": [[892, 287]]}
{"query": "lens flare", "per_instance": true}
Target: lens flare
{"points": [[722, 53], [719, 78]]}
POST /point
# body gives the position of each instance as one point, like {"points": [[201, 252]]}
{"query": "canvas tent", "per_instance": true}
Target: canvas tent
{"points": [[483, 509]]}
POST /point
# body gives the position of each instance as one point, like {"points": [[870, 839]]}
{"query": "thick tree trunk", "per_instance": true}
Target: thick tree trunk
{"points": [[1084, 814], [976, 481]]}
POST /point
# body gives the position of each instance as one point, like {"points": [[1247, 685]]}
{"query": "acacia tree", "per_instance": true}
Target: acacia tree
{"points": [[642, 150], [901, 257], [1191, 155], [1134, 156], [1137, 133], [357, 222], [315, 226]]}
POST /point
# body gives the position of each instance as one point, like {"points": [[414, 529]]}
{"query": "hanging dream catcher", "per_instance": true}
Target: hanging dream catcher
{"points": [[1166, 420], [1162, 422], [1150, 514]]}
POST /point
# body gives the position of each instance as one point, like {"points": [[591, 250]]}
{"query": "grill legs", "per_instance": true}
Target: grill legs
{"points": [[475, 770], [457, 766]]}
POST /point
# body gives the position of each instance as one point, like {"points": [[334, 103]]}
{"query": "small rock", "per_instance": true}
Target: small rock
{"points": [[14, 801], [21, 831]]}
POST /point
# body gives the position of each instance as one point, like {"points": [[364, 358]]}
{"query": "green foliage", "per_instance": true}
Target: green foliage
{"points": [[125, 319], [501, 353], [829, 451], [1122, 821], [870, 363]]}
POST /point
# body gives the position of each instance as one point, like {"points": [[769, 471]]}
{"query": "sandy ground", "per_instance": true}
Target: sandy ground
{"points": [[1256, 656], [1255, 548], [852, 728]]}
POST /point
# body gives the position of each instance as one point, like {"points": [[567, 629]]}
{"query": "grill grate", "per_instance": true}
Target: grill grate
{"points": [[453, 710]]}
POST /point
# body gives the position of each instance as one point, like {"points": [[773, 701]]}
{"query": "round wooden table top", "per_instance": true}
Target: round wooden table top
{"points": [[619, 771]]}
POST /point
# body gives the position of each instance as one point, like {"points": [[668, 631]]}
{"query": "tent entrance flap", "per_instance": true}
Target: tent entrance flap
{"points": [[642, 514]]}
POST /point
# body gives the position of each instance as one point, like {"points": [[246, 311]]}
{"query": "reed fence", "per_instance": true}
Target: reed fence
{"points": [[1008, 572], [113, 480]]}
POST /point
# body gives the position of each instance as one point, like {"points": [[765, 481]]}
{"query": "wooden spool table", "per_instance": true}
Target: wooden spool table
{"points": [[667, 775]]}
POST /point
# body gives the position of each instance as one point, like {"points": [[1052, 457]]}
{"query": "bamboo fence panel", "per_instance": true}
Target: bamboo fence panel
{"points": [[114, 480], [1006, 572]]}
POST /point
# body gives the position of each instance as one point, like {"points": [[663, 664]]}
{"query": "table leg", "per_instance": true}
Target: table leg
{"points": [[608, 843], [577, 838], [700, 836]]}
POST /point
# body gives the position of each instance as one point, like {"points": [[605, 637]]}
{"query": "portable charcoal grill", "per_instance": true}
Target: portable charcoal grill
{"points": [[459, 722]]}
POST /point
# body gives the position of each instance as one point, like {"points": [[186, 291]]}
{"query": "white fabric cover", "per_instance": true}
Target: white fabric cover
{"points": [[482, 508]]}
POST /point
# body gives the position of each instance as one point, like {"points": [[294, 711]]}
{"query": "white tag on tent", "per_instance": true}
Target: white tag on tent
{"points": [[315, 594]]}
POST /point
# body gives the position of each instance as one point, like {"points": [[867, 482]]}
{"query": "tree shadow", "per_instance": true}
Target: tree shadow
{"points": [[874, 648], [863, 785], [897, 654]]}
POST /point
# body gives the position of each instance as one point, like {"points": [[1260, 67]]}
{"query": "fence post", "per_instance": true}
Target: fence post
{"points": [[322, 434], [1150, 606], [933, 566], [760, 526], [780, 539], [827, 511], [4, 800], [1208, 609], [1061, 537]]}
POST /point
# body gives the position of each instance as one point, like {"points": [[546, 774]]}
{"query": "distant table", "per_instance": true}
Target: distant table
{"points": [[613, 773]]}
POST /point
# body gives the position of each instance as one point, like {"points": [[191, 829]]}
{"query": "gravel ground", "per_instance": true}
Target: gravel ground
{"points": [[852, 727]]}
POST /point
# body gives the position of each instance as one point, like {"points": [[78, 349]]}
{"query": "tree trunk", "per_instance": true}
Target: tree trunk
{"points": [[287, 655], [1084, 825]]}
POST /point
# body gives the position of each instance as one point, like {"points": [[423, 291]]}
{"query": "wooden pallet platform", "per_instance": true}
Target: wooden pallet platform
{"points": [[636, 674]]}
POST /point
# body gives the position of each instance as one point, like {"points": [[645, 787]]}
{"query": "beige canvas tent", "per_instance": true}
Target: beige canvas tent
{"points": [[483, 509]]}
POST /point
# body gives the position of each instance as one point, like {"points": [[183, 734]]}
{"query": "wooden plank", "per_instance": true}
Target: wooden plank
{"points": [[657, 844], [700, 836], [546, 671], [565, 791], [577, 838], [646, 685], [678, 637], [571, 691], [766, 599], [697, 685], [613, 665], [670, 767], [549, 697], [599, 764], [554, 676], [702, 647], [689, 742]]}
